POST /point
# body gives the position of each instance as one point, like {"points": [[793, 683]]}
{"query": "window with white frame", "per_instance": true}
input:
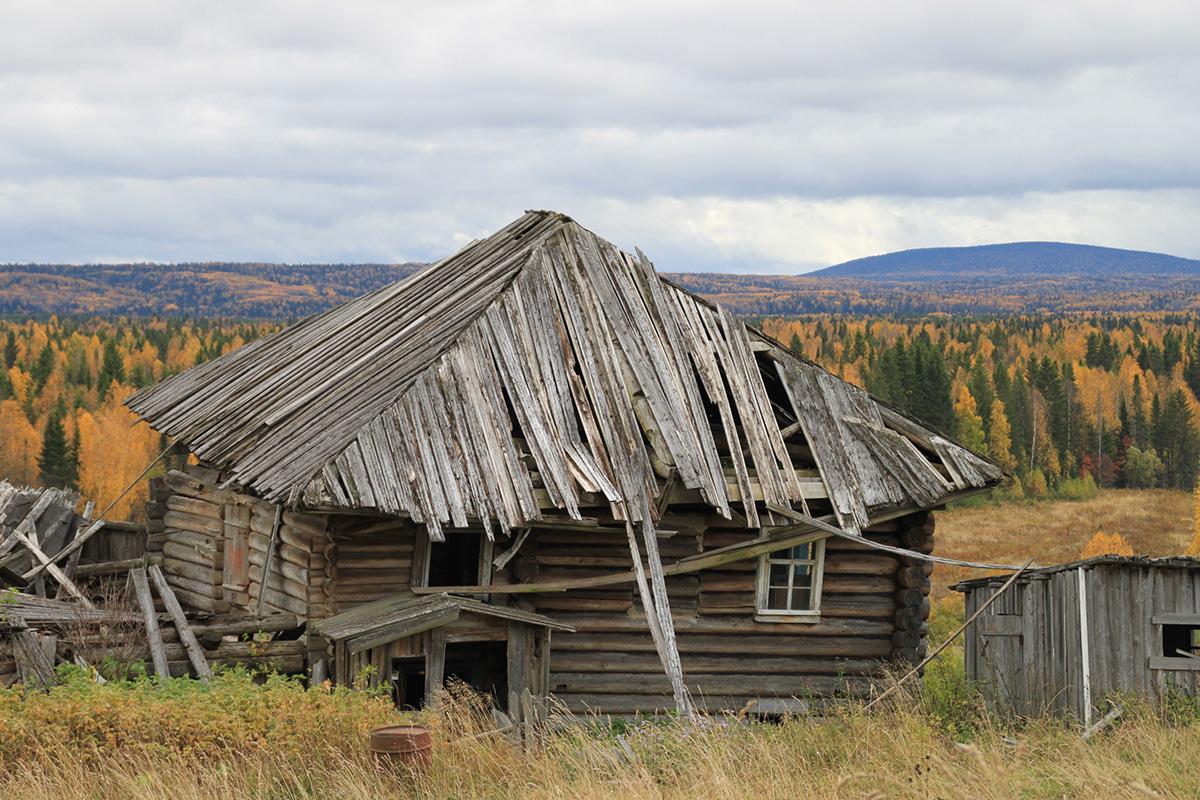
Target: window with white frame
{"points": [[789, 580]]}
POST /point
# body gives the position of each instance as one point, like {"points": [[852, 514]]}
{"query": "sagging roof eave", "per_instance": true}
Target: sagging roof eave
{"points": [[786, 352]]}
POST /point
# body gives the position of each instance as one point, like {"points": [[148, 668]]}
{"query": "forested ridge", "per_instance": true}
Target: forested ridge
{"points": [[1060, 401], [247, 290], [1108, 399], [283, 291]]}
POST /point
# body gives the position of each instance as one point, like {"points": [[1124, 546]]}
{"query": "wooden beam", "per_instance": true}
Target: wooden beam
{"points": [[142, 589], [76, 544], [52, 568], [195, 652], [784, 537]]}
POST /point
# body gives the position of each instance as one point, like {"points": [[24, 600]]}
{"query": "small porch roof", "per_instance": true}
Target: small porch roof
{"points": [[401, 615]]}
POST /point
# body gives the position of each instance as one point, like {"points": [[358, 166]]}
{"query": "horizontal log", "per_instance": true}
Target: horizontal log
{"points": [[378, 565], [192, 522], [200, 556], [199, 588], [283, 567], [549, 604], [193, 539], [624, 705], [194, 506], [685, 625], [705, 685], [288, 553], [283, 602], [637, 663], [113, 567], [312, 525], [746, 644], [248, 625], [288, 665], [199, 602], [389, 550], [279, 583], [203, 574]]}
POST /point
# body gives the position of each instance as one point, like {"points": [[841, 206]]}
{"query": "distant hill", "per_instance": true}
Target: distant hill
{"points": [[1010, 260], [274, 291], [1025, 277]]}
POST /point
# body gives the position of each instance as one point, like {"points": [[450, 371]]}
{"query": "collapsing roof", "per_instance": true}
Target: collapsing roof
{"points": [[544, 363]]}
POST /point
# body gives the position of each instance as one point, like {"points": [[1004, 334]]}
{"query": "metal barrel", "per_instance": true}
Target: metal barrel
{"points": [[403, 745]]}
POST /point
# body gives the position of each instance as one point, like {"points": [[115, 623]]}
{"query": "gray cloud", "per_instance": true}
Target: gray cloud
{"points": [[716, 136]]}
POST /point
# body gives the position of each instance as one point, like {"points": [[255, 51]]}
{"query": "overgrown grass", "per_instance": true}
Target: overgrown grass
{"points": [[236, 739]]}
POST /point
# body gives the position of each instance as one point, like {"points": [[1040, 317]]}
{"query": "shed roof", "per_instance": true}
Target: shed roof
{"points": [[1164, 562], [401, 615], [543, 340]]}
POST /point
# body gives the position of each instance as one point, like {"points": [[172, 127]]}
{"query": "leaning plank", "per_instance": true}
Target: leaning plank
{"points": [[142, 588], [76, 544], [194, 651], [52, 568]]}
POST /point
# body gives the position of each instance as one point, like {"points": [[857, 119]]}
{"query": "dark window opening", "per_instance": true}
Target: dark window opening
{"points": [[1181, 641], [481, 665], [455, 562], [408, 682]]}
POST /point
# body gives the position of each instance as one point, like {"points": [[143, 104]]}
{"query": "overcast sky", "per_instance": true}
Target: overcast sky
{"points": [[732, 136]]}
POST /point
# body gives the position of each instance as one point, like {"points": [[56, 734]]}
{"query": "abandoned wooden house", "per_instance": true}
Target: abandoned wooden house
{"points": [[1066, 638], [540, 468]]}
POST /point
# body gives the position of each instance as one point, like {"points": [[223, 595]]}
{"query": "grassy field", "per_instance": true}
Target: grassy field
{"points": [[236, 741], [1156, 522]]}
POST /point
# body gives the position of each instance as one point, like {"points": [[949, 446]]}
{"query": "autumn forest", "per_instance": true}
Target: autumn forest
{"points": [[1066, 403]]}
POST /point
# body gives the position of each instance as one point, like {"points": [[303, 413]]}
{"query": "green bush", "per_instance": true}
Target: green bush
{"points": [[1077, 489]]}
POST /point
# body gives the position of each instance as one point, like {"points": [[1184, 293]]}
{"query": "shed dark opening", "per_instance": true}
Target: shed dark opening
{"points": [[1181, 640]]}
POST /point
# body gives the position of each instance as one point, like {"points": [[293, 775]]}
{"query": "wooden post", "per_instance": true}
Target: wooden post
{"points": [[435, 663], [194, 651], [518, 673], [142, 588]]}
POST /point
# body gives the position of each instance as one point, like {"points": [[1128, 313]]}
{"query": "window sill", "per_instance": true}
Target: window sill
{"points": [[1173, 663], [802, 618]]}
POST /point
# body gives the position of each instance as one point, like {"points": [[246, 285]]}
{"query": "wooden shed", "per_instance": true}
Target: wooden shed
{"points": [[1065, 638], [681, 510]]}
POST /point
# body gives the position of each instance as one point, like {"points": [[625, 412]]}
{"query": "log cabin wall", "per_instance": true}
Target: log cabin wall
{"points": [[214, 545], [370, 558], [874, 609]]}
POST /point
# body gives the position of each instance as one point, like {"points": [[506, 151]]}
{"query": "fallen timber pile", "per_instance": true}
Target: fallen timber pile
{"points": [[42, 543]]}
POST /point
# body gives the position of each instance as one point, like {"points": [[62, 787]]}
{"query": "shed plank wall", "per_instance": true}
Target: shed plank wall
{"points": [[1044, 672]]}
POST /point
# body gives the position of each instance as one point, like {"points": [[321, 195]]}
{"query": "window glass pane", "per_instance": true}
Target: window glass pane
{"points": [[803, 575], [801, 598], [777, 598], [779, 575], [801, 551]]}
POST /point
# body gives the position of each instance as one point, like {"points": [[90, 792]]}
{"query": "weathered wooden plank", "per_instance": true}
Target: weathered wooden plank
{"points": [[142, 590], [194, 651]]}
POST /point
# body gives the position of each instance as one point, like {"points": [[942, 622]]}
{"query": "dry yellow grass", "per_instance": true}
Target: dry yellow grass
{"points": [[1155, 522], [893, 754]]}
